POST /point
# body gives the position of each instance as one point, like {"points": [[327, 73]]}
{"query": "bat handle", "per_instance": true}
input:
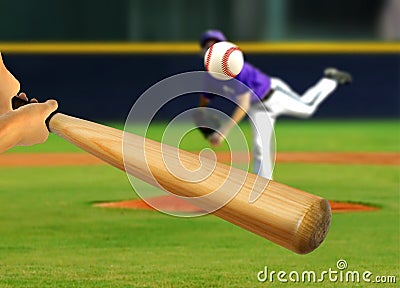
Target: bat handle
{"points": [[17, 102]]}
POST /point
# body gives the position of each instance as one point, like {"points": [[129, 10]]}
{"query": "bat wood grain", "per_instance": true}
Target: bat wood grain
{"points": [[289, 217]]}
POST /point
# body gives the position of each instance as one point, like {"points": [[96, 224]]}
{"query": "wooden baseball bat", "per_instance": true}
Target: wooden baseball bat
{"points": [[294, 219]]}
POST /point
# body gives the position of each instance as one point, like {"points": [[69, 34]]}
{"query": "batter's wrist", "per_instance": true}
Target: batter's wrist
{"points": [[9, 131]]}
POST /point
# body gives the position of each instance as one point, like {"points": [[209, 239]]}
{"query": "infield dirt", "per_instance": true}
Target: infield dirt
{"points": [[169, 203], [83, 159]]}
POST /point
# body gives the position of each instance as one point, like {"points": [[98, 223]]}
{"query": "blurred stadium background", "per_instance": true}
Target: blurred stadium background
{"points": [[182, 20], [64, 49], [97, 57]]}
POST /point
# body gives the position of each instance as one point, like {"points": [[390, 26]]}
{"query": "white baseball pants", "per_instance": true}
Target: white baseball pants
{"points": [[283, 101]]}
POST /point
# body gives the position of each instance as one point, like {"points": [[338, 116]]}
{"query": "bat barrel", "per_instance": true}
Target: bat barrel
{"points": [[291, 218], [313, 228]]}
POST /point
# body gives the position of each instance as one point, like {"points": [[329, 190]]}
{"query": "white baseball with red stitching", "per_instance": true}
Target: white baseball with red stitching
{"points": [[224, 60]]}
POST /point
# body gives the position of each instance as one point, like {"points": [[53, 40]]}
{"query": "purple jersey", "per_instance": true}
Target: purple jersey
{"points": [[250, 76]]}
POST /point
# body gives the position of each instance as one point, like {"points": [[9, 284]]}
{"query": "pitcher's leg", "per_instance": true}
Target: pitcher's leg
{"points": [[284, 101], [263, 135], [319, 91], [281, 103]]}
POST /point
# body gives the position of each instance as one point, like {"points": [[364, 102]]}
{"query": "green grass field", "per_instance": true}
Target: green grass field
{"points": [[51, 236]]}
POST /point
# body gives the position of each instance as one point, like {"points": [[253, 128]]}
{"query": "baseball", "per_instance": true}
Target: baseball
{"points": [[224, 60]]}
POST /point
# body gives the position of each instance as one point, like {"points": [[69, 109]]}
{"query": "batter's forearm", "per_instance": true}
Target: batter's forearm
{"points": [[8, 134]]}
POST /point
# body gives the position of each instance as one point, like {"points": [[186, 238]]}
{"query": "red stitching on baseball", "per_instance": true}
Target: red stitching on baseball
{"points": [[209, 56], [225, 65]]}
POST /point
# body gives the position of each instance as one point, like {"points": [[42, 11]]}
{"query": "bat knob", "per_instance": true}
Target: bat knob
{"points": [[314, 227]]}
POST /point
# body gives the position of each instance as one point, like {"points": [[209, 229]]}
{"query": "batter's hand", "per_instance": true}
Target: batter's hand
{"points": [[29, 122], [9, 87]]}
